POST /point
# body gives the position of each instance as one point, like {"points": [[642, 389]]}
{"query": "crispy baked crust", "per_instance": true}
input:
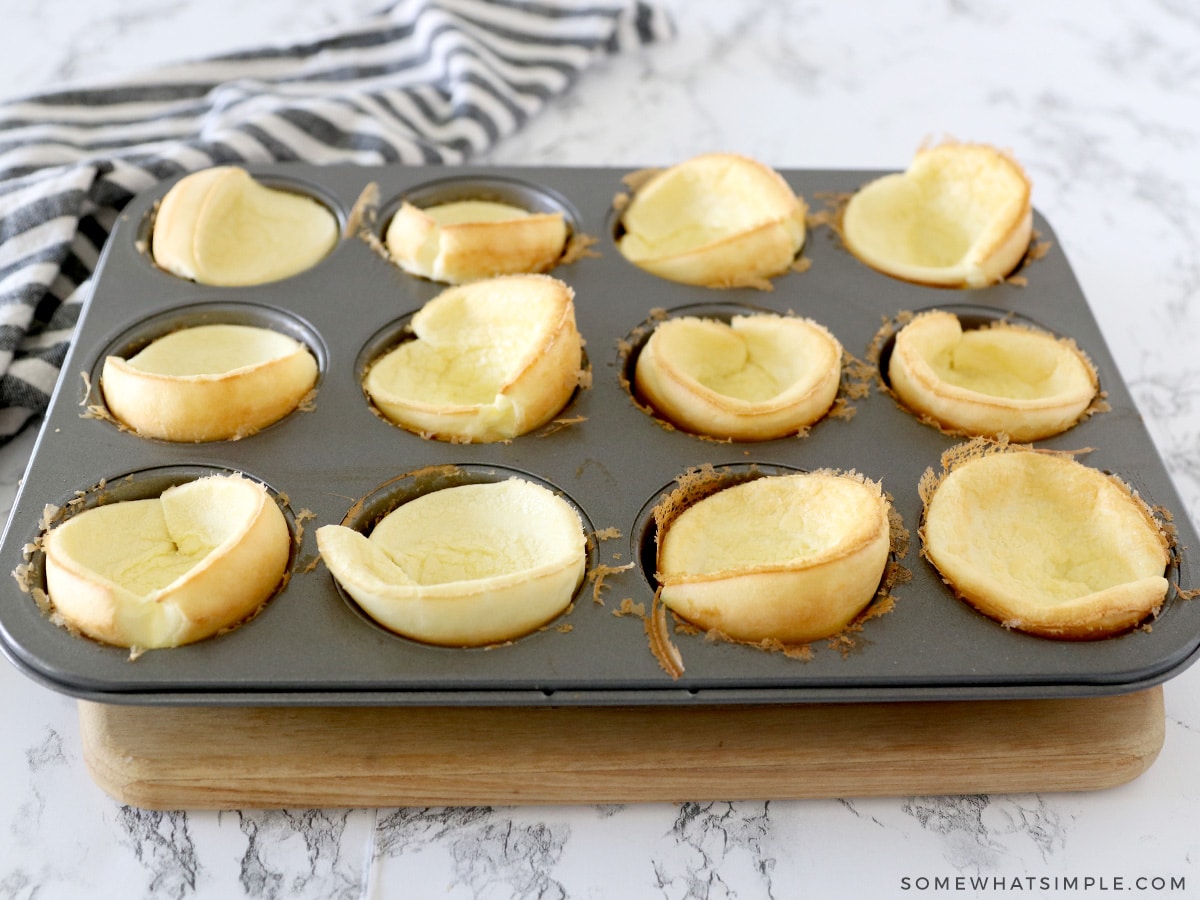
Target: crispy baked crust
{"points": [[689, 370], [1005, 379], [461, 251], [542, 364], [251, 545], [790, 558], [267, 381], [716, 220], [959, 216], [1042, 543], [220, 226], [414, 574]]}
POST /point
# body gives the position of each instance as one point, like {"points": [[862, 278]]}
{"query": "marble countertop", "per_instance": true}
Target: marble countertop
{"points": [[1097, 100]]}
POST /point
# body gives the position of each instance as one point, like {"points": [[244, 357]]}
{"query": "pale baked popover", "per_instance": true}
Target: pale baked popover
{"points": [[221, 226], [489, 360], [754, 378], [465, 240], [716, 220], [171, 570], [1001, 379], [209, 382], [464, 566], [1043, 543], [960, 216], [791, 558]]}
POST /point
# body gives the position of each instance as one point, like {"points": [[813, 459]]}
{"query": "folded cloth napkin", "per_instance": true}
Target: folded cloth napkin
{"points": [[420, 81]]}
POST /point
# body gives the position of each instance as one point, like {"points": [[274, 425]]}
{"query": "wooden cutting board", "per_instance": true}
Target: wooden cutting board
{"points": [[275, 757]]}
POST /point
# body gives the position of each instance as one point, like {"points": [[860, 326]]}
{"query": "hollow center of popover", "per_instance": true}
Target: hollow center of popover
{"points": [[748, 359], [466, 352], [145, 545], [942, 208], [212, 350], [1046, 531], [465, 211], [477, 532], [772, 521], [1003, 363], [691, 209]]}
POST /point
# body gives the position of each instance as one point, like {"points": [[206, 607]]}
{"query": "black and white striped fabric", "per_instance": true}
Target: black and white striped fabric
{"points": [[421, 81]]}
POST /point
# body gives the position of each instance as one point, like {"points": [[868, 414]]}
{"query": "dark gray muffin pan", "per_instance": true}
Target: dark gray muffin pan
{"points": [[311, 646]]}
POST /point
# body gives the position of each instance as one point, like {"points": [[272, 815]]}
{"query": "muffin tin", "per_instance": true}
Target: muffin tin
{"points": [[340, 461]]}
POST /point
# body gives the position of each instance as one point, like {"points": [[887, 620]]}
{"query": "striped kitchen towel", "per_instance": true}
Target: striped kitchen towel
{"points": [[420, 81]]}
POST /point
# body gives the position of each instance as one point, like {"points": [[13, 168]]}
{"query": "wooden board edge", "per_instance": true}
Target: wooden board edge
{"points": [[232, 758]]}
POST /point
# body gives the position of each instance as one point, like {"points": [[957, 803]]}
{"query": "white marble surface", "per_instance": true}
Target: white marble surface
{"points": [[1099, 100]]}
